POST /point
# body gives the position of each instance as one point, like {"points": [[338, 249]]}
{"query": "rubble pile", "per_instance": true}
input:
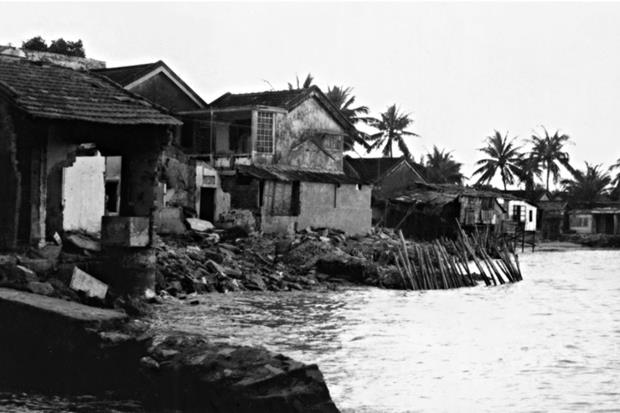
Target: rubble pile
{"points": [[311, 259]]}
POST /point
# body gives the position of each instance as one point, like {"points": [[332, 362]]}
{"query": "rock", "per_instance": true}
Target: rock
{"points": [[50, 252], [92, 287], [215, 267], [149, 363], [234, 233], [199, 224], [41, 288], [254, 282], [38, 265], [25, 274], [83, 242]]}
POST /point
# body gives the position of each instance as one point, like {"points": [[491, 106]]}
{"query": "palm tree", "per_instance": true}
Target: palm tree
{"points": [[343, 99], [548, 152], [529, 170], [308, 81], [391, 128], [441, 168], [589, 185], [503, 157]]}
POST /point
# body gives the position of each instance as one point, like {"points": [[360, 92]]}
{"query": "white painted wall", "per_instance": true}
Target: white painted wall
{"points": [[83, 194], [530, 213]]}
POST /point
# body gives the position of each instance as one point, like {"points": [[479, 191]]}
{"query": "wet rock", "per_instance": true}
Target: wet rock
{"points": [[38, 265], [24, 275], [254, 282], [41, 288]]}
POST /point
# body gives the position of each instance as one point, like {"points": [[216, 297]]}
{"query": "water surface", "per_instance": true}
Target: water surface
{"points": [[548, 343]]}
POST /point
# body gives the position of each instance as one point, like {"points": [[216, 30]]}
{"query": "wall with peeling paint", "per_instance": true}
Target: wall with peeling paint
{"points": [[84, 194], [344, 207], [295, 145]]}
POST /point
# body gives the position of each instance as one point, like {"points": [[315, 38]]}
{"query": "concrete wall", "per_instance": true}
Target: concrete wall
{"points": [[530, 216], [344, 207], [9, 190], [292, 133], [208, 177], [84, 194]]}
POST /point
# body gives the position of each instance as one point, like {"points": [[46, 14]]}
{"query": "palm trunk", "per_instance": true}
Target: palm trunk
{"points": [[547, 177]]}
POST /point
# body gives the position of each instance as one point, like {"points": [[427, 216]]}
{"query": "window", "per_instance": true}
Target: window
{"points": [[264, 132], [531, 216]]}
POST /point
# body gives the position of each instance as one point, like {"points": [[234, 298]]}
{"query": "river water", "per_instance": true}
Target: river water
{"points": [[550, 343]]}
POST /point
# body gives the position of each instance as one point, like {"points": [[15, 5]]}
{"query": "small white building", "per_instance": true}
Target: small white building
{"points": [[523, 212]]}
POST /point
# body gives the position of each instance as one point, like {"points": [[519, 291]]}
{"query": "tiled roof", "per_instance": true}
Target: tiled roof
{"points": [[290, 174], [372, 169], [125, 75], [55, 92], [285, 99]]}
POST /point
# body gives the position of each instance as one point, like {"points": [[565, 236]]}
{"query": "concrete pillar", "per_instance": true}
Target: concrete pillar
{"points": [[253, 133]]}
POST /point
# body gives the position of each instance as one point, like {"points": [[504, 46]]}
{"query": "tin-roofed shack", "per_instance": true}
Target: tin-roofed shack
{"points": [[430, 211], [53, 119]]}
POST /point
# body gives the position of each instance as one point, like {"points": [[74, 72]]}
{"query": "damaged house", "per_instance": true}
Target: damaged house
{"points": [[279, 162], [57, 128], [181, 175], [429, 211]]}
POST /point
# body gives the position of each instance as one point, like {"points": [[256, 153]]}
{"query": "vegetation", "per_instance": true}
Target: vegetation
{"points": [[392, 129], [308, 81], [548, 152], [343, 99], [503, 157], [59, 46], [590, 185], [441, 168]]}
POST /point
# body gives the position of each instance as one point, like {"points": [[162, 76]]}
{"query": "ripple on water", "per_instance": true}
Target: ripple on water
{"points": [[549, 343]]}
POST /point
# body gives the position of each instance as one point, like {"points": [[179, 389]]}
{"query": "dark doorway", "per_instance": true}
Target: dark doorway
{"points": [[207, 204]]}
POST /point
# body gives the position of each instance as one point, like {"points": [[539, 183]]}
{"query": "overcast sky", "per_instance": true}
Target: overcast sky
{"points": [[460, 69]]}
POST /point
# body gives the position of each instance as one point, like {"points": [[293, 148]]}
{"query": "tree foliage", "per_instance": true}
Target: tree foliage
{"points": [[502, 156], [392, 129], [59, 46], [308, 81], [37, 43], [441, 168], [344, 100], [587, 186], [548, 151]]}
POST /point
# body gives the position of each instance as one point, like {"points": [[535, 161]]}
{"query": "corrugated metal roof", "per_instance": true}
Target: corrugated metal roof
{"points": [[55, 92], [291, 174]]}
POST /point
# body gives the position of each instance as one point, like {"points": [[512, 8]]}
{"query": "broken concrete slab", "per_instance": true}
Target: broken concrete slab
{"points": [[169, 220], [83, 242], [38, 265], [199, 224], [14, 301], [42, 288], [92, 287]]}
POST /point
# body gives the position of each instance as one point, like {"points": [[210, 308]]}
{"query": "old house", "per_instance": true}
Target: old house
{"points": [[522, 212], [552, 219], [57, 126], [388, 176], [181, 175], [602, 218], [428, 211], [279, 155]]}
